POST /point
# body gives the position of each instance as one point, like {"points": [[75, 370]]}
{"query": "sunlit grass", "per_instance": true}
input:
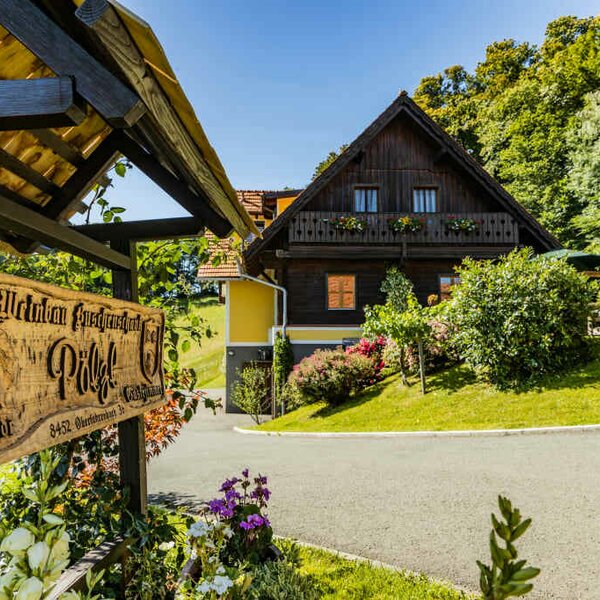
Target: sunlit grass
{"points": [[456, 401], [207, 359], [338, 577]]}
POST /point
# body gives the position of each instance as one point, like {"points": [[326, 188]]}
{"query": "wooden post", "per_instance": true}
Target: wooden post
{"points": [[132, 445], [422, 367]]}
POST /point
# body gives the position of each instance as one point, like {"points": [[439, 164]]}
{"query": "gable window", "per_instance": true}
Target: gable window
{"points": [[341, 291], [447, 282], [366, 199], [425, 200]]}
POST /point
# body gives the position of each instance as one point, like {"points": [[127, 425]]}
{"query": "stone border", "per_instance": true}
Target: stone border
{"points": [[423, 434]]}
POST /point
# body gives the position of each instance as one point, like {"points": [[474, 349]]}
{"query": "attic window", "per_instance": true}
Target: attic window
{"points": [[366, 199], [425, 200]]}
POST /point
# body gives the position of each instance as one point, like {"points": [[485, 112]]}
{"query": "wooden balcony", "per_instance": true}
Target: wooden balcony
{"points": [[310, 227]]}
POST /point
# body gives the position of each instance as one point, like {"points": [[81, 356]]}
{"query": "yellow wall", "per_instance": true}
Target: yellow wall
{"points": [[283, 203], [251, 308]]}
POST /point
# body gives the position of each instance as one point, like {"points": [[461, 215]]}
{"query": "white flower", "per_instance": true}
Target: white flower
{"points": [[6, 581], [221, 570], [203, 587], [228, 532], [221, 583], [17, 541], [31, 589], [198, 529], [166, 546], [38, 554]]}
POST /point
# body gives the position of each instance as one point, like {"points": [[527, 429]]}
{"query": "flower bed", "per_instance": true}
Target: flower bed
{"points": [[407, 224], [351, 224], [464, 224]]}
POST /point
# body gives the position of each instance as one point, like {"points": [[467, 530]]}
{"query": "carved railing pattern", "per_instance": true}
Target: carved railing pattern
{"points": [[316, 227]]}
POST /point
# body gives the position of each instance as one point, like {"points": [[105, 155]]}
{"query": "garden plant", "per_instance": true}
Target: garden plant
{"points": [[251, 392]]}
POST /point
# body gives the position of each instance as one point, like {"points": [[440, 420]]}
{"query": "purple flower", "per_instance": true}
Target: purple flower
{"points": [[216, 505], [231, 496], [245, 473], [228, 484], [254, 521]]}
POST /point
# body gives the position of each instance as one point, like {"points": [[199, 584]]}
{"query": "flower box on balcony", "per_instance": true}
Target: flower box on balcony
{"points": [[406, 224]]}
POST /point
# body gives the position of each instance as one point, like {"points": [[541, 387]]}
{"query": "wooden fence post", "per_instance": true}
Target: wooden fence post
{"points": [[132, 445]]}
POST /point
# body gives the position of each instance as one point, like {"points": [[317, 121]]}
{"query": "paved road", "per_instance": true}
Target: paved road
{"points": [[421, 504]]}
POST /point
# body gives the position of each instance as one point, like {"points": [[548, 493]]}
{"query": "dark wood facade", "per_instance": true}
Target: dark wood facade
{"points": [[400, 152]]}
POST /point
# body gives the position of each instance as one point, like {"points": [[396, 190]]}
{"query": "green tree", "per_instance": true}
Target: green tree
{"points": [[329, 160], [514, 113], [584, 175]]}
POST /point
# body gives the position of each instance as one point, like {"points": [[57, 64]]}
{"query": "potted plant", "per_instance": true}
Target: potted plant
{"points": [[349, 223], [406, 224], [458, 224]]}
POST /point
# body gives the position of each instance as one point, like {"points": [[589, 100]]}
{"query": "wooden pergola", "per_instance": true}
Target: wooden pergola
{"points": [[81, 84]]}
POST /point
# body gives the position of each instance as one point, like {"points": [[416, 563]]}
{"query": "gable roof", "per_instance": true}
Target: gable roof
{"points": [[404, 104]]}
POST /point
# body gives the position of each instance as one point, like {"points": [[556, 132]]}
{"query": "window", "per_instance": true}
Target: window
{"points": [[366, 199], [446, 283], [341, 292], [425, 200]]}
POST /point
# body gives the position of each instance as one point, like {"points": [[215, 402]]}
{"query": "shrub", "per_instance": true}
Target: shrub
{"points": [[281, 580], [506, 576], [520, 317], [372, 349], [251, 392], [333, 375]]}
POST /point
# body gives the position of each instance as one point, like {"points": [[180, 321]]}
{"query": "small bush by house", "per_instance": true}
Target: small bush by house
{"points": [[333, 375]]}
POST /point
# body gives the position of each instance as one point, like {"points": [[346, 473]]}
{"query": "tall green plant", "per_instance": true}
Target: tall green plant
{"points": [[251, 391], [506, 576], [283, 362]]}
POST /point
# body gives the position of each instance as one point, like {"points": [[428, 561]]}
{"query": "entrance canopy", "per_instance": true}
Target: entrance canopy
{"points": [[81, 83]]}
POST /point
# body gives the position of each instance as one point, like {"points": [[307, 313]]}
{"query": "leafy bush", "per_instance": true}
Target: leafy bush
{"points": [[281, 580], [507, 576], [520, 317], [283, 363], [251, 391], [372, 349], [333, 375]]}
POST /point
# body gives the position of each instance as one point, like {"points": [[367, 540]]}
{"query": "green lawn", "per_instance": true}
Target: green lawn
{"points": [[207, 359], [338, 577], [456, 401]]}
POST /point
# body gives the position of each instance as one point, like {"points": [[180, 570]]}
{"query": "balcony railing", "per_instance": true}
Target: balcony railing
{"points": [[317, 227]]}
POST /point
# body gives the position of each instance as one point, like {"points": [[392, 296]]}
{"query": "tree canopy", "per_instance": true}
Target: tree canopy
{"points": [[531, 116]]}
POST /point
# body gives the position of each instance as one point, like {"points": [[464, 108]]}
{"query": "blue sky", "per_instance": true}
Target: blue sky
{"points": [[279, 84]]}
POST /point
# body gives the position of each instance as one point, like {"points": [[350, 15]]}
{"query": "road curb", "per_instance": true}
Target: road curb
{"points": [[424, 434]]}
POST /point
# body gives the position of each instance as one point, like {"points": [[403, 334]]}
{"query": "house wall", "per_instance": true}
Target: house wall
{"points": [[399, 159], [306, 282], [250, 313]]}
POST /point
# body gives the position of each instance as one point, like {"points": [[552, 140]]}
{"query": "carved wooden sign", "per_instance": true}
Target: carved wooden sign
{"points": [[71, 363]]}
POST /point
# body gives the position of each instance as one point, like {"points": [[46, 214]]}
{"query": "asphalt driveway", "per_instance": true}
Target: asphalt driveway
{"points": [[420, 504]]}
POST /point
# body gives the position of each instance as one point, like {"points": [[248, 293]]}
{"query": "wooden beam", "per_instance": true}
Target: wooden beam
{"points": [[111, 35], [58, 145], [22, 221], [107, 94], [178, 190], [35, 103], [132, 442], [13, 164], [88, 173], [95, 560], [152, 229]]}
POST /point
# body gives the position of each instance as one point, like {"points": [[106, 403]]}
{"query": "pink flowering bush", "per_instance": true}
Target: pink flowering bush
{"points": [[372, 349], [333, 375]]}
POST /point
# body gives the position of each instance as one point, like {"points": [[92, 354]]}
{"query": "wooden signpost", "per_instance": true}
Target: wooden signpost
{"points": [[71, 363]]}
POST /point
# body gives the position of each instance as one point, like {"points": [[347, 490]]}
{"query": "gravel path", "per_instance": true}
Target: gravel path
{"points": [[421, 504]]}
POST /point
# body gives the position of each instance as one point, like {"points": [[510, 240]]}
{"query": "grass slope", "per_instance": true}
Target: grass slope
{"points": [[456, 401], [207, 359], [338, 577]]}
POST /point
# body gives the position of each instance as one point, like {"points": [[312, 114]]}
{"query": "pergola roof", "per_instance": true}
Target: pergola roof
{"points": [[82, 82]]}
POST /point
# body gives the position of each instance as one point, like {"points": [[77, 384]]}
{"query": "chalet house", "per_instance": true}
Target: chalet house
{"points": [[325, 249]]}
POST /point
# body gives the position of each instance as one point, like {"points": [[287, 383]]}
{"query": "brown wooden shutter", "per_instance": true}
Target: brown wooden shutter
{"points": [[341, 291]]}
